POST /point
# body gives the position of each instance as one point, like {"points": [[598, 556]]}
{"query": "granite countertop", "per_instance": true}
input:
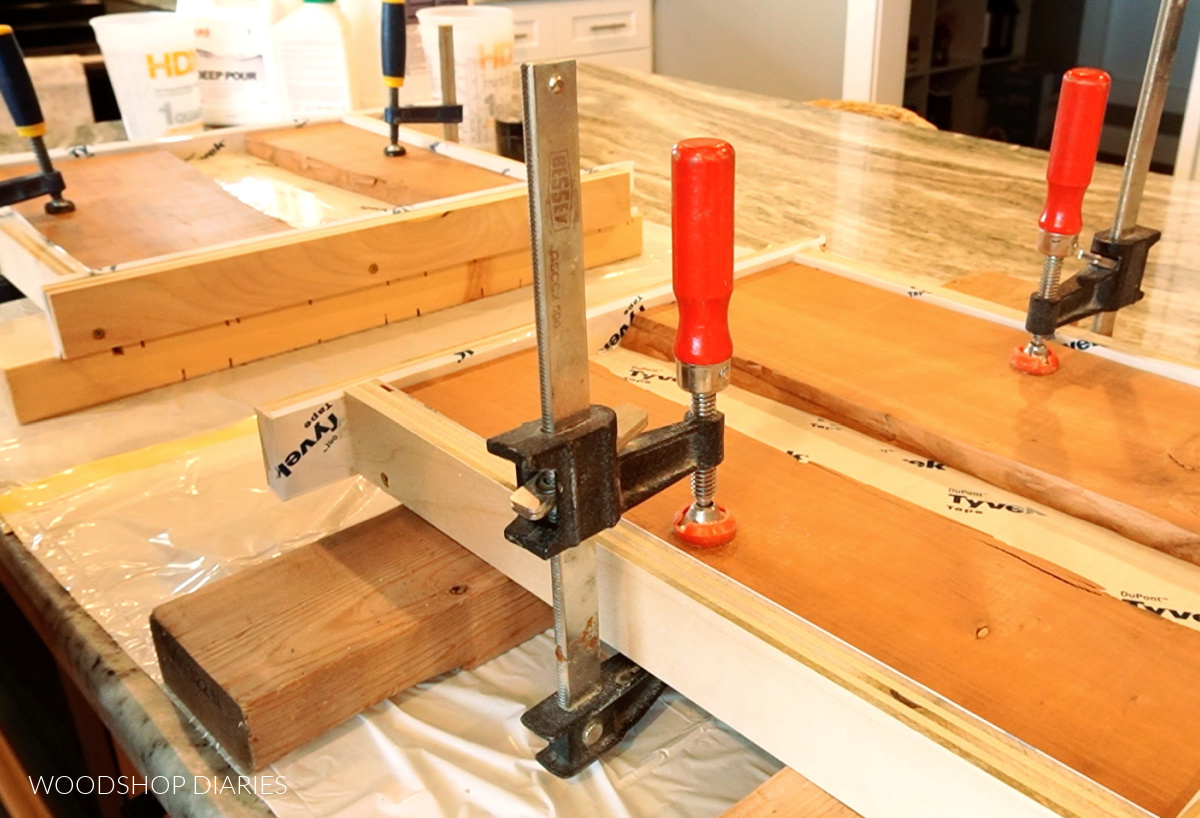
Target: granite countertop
{"points": [[931, 204]]}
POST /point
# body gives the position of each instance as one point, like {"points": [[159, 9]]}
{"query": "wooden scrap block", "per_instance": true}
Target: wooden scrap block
{"points": [[787, 794], [273, 656], [1113, 445]]}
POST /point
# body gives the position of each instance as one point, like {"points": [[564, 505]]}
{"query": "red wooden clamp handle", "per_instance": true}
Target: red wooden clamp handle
{"points": [[702, 248], [1073, 149]]}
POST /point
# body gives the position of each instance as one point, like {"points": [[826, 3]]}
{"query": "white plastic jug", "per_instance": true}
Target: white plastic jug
{"points": [[236, 59], [151, 60], [314, 60], [485, 78]]}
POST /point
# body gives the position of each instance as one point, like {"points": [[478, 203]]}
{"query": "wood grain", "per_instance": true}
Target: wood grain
{"points": [[1027, 646], [206, 288], [273, 656], [41, 385], [787, 794], [352, 158], [1101, 441], [134, 206]]}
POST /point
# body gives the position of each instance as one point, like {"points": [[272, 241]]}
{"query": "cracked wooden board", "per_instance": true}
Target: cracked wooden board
{"points": [[1024, 645], [1112, 445], [352, 158]]}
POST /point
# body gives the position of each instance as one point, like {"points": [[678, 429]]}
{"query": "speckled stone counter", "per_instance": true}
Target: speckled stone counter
{"points": [[159, 739], [930, 204]]}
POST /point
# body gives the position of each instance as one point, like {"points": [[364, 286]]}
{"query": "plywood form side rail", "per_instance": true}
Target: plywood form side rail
{"points": [[284, 423], [44, 385], [196, 146], [867, 735], [96, 313], [30, 261]]}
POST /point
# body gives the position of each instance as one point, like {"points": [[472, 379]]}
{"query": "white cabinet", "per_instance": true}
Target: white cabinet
{"points": [[611, 32]]}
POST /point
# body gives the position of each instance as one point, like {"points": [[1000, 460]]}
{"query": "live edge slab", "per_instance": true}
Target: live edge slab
{"points": [[1023, 644], [1102, 441]]}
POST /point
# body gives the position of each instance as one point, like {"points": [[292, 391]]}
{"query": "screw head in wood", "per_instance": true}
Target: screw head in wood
{"points": [[98, 334]]}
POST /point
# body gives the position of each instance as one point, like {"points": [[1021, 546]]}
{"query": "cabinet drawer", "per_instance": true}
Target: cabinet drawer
{"points": [[533, 31], [596, 26], [639, 59]]}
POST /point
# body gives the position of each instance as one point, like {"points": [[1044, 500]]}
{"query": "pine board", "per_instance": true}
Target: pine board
{"points": [[138, 205], [787, 794], [1110, 444], [273, 656], [352, 158], [230, 283], [1037, 651]]}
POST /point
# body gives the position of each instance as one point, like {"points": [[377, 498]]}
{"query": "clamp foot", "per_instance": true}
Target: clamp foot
{"points": [[57, 207], [582, 734], [705, 527], [394, 150], [1023, 360]]}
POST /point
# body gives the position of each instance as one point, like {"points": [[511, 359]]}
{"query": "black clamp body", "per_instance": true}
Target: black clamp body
{"points": [[594, 484], [1097, 289], [30, 186], [410, 114], [626, 692]]}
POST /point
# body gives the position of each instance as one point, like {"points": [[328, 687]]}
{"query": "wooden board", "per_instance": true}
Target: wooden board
{"points": [[1101, 441], [1038, 652], [273, 656], [135, 206], [165, 298], [787, 794], [352, 158], [41, 385]]}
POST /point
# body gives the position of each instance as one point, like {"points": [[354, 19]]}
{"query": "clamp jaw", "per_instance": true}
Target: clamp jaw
{"points": [[575, 484], [1117, 261], [581, 485], [22, 102], [393, 24], [1112, 280]]}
